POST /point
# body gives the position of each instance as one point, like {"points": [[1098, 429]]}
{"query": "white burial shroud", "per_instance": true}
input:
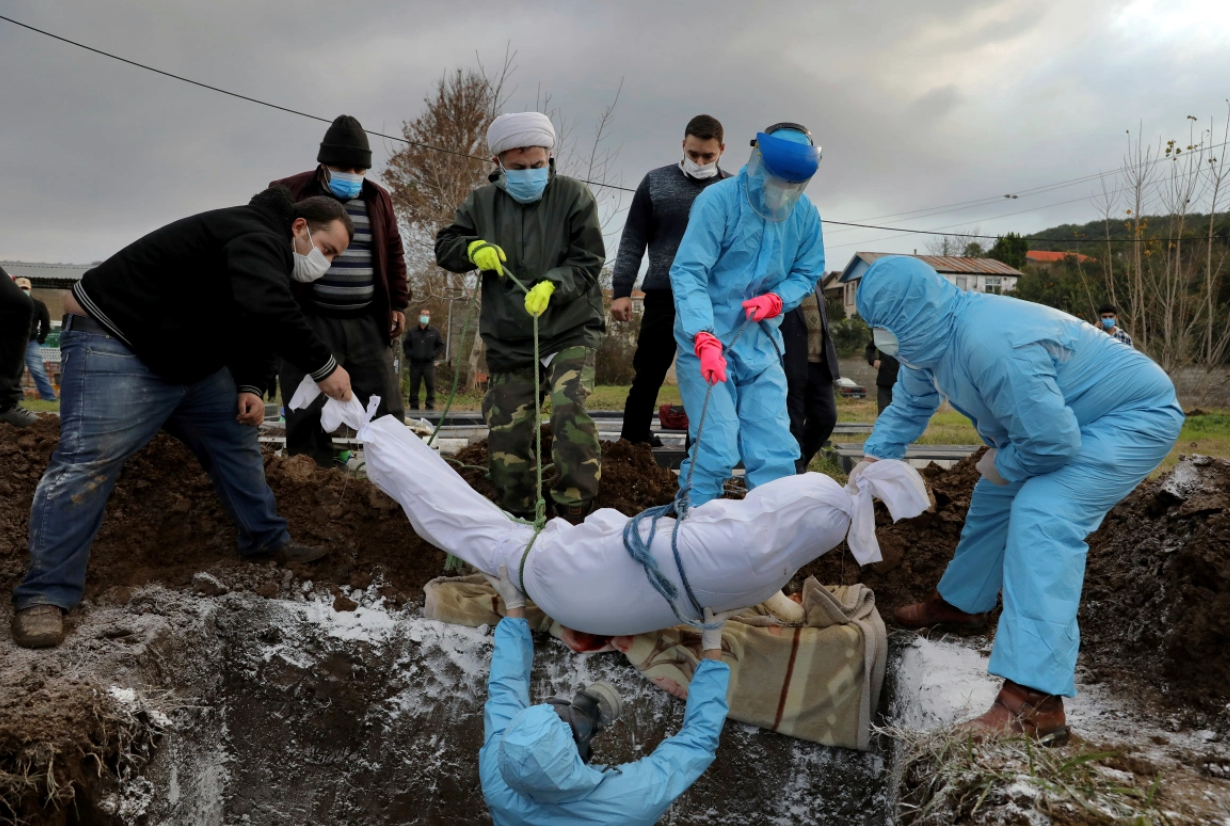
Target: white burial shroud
{"points": [[736, 553]]}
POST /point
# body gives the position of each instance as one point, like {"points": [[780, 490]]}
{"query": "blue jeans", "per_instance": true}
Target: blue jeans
{"points": [[34, 363], [111, 406]]}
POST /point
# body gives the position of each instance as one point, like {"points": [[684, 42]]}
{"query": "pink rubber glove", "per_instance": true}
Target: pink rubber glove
{"points": [[764, 306], [712, 362]]}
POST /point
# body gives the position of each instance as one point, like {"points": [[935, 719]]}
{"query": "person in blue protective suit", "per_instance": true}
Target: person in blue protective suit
{"points": [[534, 763], [1074, 422], [752, 250]]}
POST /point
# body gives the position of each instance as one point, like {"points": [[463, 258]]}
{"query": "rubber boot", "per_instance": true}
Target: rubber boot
{"points": [[1021, 710]]}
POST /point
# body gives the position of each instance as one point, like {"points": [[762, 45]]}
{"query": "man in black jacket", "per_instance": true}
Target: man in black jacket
{"points": [[886, 374], [811, 368], [40, 326], [175, 332], [423, 347], [15, 312], [657, 218]]}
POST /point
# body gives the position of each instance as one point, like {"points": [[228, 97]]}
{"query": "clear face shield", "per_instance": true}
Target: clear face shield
{"points": [[783, 162]]}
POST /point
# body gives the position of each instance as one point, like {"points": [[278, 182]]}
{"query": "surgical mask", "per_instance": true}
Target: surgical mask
{"points": [[592, 711], [885, 342], [1108, 323], [695, 170], [424, 320], [526, 185], [310, 267], [345, 185]]}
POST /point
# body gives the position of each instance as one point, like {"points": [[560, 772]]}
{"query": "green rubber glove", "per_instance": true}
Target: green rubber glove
{"points": [[486, 256], [538, 296]]}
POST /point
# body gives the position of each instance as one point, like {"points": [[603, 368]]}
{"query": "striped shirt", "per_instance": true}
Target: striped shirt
{"points": [[349, 285]]}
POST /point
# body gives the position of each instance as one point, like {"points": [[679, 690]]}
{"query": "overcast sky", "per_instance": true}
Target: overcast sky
{"points": [[916, 104]]}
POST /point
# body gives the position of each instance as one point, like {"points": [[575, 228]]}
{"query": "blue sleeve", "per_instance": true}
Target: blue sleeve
{"points": [[808, 262], [1020, 390], [698, 252], [915, 400], [632, 242], [508, 687], [652, 784]]}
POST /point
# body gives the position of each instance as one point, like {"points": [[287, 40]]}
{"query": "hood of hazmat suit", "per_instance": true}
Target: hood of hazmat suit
{"points": [[539, 760], [1077, 418]]}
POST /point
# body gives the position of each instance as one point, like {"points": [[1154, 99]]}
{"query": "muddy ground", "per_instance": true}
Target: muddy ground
{"points": [[1157, 600]]}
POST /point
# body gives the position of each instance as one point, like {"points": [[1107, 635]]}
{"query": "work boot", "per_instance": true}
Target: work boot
{"points": [[1021, 710], [39, 626], [18, 416], [935, 612], [573, 514], [292, 551]]}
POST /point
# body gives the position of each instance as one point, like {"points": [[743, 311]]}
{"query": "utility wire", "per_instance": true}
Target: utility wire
{"points": [[901, 230]]}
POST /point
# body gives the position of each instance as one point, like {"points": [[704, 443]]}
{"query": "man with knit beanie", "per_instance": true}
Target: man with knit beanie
{"points": [[358, 306]]}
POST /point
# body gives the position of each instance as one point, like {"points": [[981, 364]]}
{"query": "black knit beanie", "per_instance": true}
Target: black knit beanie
{"points": [[345, 144]]}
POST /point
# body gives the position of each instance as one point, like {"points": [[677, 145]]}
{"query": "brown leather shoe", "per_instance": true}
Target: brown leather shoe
{"points": [[1021, 710], [39, 626], [935, 612]]}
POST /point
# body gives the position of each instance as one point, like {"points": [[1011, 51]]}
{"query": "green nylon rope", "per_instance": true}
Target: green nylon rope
{"points": [[452, 563]]}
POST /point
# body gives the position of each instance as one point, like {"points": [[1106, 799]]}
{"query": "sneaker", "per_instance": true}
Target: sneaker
{"points": [[18, 416], [290, 552], [39, 626]]}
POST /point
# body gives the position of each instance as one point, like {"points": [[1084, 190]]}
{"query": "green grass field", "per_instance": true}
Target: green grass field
{"points": [[1208, 434]]}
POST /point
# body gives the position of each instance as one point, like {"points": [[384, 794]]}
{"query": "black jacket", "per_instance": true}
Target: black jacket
{"points": [[422, 346], [208, 292], [794, 336], [887, 375], [40, 324]]}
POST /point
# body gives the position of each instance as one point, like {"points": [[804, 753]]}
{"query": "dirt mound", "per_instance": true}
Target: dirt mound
{"points": [[631, 479], [915, 551], [1157, 593]]}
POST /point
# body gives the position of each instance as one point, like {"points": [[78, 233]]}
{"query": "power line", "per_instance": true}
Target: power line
{"points": [[902, 231]]}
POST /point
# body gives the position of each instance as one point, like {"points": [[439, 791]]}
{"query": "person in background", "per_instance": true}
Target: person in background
{"points": [[535, 761], [175, 332], [1073, 423], [657, 218], [811, 369], [16, 312], [545, 227], [752, 250], [1109, 322], [358, 306], [423, 346], [40, 326], [886, 374]]}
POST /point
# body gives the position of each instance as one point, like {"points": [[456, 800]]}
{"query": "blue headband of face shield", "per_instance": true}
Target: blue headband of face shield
{"points": [[789, 154]]}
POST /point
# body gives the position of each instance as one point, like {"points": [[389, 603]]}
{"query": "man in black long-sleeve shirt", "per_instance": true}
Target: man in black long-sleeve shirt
{"points": [[657, 218], [40, 328], [423, 347], [16, 308]]}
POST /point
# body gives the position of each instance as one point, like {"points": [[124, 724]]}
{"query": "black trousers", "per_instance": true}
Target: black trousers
{"points": [[425, 373], [358, 346], [884, 397], [655, 350], [16, 310], [813, 410]]}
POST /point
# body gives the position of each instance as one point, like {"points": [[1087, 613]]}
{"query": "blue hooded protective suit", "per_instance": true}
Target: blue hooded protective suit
{"points": [[532, 774], [730, 254], [1078, 420]]}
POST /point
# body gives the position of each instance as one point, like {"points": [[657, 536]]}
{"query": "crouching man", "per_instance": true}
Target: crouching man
{"points": [[176, 332], [534, 764]]}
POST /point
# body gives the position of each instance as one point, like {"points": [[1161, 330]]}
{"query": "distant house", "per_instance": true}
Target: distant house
{"points": [[1044, 258], [976, 274], [49, 283]]}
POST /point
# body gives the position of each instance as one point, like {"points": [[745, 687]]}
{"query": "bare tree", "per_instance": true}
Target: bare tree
{"points": [[958, 244]]}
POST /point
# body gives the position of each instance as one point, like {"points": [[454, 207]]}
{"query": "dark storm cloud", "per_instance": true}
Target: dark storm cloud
{"points": [[915, 104]]}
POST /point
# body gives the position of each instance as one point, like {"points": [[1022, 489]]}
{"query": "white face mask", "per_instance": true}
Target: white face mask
{"points": [[695, 170], [885, 342], [310, 267]]}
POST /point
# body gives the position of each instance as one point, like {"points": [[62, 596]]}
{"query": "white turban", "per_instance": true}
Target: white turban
{"points": [[518, 130]]}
